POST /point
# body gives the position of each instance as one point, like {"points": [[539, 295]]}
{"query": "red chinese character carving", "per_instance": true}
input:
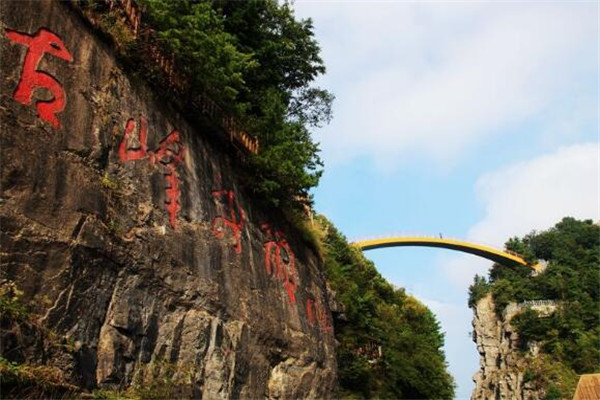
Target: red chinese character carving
{"points": [[42, 42], [169, 154], [283, 261], [127, 154], [219, 223], [316, 314]]}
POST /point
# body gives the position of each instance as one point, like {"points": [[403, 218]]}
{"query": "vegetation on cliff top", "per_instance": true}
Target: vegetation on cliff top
{"points": [[258, 63], [569, 337], [377, 315]]}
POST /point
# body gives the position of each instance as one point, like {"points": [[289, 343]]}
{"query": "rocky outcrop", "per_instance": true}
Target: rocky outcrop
{"points": [[133, 238], [502, 364]]}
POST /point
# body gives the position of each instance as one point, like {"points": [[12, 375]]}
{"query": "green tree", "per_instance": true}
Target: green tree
{"points": [[259, 62], [206, 54], [284, 48], [282, 103], [288, 165], [413, 363], [478, 290]]}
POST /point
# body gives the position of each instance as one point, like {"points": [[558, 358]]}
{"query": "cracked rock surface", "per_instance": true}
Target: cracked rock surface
{"points": [[502, 365], [88, 239]]}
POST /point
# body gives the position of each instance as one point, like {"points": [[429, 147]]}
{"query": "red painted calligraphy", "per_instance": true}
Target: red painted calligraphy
{"points": [[42, 42], [280, 261], [235, 225], [131, 154], [169, 155], [317, 315]]}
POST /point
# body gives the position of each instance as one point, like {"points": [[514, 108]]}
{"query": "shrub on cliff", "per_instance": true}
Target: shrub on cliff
{"points": [[259, 63], [478, 290], [21, 333], [379, 317]]}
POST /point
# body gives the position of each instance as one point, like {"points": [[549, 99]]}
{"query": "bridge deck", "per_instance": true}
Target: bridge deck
{"points": [[499, 256]]}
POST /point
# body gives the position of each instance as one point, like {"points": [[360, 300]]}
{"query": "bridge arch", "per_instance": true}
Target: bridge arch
{"points": [[503, 257]]}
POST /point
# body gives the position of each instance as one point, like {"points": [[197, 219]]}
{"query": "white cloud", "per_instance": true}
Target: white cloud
{"points": [[517, 199], [437, 78], [538, 193], [531, 195], [460, 269]]}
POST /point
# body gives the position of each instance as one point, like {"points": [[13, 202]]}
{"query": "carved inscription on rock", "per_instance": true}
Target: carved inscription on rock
{"points": [[43, 42], [280, 261], [234, 222], [316, 315], [167, 156]]}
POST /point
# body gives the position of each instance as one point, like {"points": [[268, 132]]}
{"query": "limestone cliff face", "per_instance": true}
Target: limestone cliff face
{"points": [[502, 365], [131, 236]]}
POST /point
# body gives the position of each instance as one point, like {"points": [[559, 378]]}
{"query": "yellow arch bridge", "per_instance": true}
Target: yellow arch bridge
{"points": [[503, 257]]}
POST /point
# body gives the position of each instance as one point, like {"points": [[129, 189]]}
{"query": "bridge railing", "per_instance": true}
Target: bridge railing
{"points": [[513, 307], [396, 234], [371, 350], [429, 236], [132, 11]]}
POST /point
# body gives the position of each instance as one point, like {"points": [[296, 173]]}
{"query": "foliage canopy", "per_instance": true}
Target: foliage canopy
{"points": [[258, 62]]}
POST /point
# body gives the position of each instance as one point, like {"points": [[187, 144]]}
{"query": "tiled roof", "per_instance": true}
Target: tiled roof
{"points": [[588, 387]]}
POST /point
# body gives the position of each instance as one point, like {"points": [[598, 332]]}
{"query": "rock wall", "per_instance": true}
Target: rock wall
{"points": [[130, 235], [502, 364]]}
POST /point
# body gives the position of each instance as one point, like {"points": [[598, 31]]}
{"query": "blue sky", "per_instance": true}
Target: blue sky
{"points": [[477, 120]]}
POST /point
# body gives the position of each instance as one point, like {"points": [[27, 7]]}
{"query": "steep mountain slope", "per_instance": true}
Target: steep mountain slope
{"points": [[130, 239]]}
